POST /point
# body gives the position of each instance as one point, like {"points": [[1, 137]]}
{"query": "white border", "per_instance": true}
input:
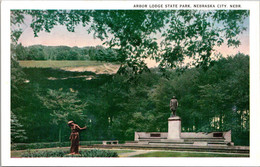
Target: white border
{"points": [[254, 159]]}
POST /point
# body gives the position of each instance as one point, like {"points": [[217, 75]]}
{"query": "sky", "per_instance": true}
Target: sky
{"points": [[59, 35]]}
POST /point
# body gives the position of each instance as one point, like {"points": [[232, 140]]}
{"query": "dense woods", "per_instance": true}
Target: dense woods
{"points": [[114, 107]]}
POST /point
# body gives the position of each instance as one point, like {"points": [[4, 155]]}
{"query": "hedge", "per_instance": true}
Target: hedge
{"points": [[62, 153], [25, 146]]}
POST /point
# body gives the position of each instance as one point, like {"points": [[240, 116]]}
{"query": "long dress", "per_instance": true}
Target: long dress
{"points": [[74, 137]]}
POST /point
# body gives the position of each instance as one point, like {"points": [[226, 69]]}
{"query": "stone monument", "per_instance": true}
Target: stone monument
{"points": [[174, 122], [186, 140]]}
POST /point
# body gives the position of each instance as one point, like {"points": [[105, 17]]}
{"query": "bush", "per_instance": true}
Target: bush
{"points": [[58, 153], [61, 153], [25, 146], [240, 138], [98, 153]]}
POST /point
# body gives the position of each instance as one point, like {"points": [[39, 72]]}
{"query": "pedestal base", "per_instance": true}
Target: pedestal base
{"points": [[174, 128], [172, 140]]}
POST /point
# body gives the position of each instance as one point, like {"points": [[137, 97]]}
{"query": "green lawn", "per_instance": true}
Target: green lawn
{"points": [[59, 64], [150, 154], [122, 151], [186, 154]]}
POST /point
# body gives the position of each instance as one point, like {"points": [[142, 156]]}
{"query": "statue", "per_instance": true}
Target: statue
{"points": [[74, 137], [173, 106]]}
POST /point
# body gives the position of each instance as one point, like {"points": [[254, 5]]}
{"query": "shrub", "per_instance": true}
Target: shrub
{"points": [[47, 153], [61, 153], [98, 153], [25, 146]]}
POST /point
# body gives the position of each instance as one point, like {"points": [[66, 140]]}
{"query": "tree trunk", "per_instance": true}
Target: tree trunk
{"points": [[60, 135], [220, 122]]}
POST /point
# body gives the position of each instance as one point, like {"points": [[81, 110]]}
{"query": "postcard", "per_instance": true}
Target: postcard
{"points": [[139, 83]]}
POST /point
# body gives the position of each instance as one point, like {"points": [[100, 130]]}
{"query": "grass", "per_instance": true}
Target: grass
{"points": [[59, 64], [19, 153], [186, 154], [15, 154]]}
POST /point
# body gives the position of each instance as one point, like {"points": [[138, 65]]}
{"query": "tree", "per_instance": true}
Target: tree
{"points": [[18, 134], [184, 33], [65, 106], [17, 19]]}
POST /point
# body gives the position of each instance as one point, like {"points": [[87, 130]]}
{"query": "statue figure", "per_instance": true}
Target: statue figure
{"points": [[173, 106], [74, 137]]}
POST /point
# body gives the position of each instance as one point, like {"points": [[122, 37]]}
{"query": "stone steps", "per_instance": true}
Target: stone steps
{"points": [[178, 147], [189, 143], [204, 139], [215, 141]]}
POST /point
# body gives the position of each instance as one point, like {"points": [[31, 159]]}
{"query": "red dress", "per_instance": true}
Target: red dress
{"points": [[74, 137]]}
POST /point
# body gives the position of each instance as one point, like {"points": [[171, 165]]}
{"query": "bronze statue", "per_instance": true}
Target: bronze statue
{"points": [[74, 137], [173, 105]]}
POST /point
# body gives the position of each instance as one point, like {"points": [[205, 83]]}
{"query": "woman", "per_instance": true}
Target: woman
{"points": [[74, 137]]}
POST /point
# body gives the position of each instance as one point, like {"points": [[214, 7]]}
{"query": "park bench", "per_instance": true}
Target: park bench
{"points": [[110, 142]]}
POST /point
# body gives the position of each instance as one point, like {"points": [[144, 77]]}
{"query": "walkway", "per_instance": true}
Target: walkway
{"points": [[136, 152]]}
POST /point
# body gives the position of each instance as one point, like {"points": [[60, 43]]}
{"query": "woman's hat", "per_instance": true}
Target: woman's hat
{"points": [[70, 122]]}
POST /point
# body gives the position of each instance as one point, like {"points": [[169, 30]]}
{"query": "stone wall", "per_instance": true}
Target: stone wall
{"points": [[150, 135], [184, 135]]}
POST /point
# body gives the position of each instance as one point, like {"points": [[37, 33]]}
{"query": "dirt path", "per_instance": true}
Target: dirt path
{"points": [[107, 68]]}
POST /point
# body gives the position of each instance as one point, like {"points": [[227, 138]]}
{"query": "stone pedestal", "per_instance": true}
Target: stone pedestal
{"points": [[174, 129]]}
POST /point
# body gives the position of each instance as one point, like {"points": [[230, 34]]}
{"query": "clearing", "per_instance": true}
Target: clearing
{"points": [[74, 65]]}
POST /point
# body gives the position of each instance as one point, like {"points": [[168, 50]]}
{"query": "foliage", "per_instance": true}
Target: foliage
{"points": [[61, 153], [46, 153], [18, 134], [195, 34], [64, 106], [182, 33], [17, 19], [95, 153], [214, 97], [212, 100]]}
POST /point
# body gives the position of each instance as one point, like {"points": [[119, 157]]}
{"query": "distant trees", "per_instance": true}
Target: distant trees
{"points": [[40, 52]]}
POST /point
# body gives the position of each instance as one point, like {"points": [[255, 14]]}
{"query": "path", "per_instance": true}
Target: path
{"points": [[136, 152]]}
